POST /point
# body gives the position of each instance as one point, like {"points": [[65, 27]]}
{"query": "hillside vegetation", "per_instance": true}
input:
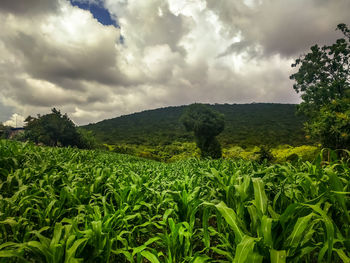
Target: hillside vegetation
{"points": [[68, 205], [245, 125]]}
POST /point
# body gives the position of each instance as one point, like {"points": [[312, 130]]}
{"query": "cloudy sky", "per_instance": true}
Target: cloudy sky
{"points": [[98, 59]]}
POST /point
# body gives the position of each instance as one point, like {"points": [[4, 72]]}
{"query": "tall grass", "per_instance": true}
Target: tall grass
{"points": [[67, 205]]}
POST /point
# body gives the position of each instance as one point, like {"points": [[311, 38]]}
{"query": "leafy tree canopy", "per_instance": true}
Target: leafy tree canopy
{"points": [[323, 79], [206, 124], [202, 120], [332, 125], [323, 74], [54, 129]]}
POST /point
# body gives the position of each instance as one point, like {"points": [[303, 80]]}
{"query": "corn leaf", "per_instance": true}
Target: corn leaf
{"points": [[231, 219], [244, 249], [260, 195], [151, 257], [278, 256]]}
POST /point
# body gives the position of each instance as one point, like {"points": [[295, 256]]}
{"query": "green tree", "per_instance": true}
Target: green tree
{"points": [[4, 131], [54, 129], [332, 125], [323, 79], [206, 124]]}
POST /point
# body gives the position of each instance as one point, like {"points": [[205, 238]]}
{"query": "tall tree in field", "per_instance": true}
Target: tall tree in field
{"points": [[206, 125], [323, 79]]}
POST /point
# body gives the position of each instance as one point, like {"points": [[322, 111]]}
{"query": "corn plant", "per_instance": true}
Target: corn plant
{"points": [[70, 205]]}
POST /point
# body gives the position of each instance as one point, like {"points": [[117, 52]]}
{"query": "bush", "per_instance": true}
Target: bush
{"points": [[286, 152], [265, 154]]}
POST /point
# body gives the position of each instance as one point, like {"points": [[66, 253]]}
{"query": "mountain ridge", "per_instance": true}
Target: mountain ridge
{"points": [[245, 125]]}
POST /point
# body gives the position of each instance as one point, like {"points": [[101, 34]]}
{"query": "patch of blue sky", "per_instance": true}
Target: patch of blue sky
{"points": [[97, 10]]}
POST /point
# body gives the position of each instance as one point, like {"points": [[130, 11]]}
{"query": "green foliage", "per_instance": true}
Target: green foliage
{"points": [[184, 150], [56, 129], [125, 149], [287, 153], [332, 125], [323, 79], [206, 124], [165, 153], [278, 154], [265, 154], [323, 75], [70, 205], [245, 125], [4, 131], [202, 120], [86, 139]]}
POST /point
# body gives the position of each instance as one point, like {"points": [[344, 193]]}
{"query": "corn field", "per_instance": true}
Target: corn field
{"points": [[68, 205]]}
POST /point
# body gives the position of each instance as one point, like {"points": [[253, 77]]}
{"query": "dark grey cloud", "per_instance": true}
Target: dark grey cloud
{"points": [[285, 27], [50, 61], [5, 112], [32, 7], [175, 52]]}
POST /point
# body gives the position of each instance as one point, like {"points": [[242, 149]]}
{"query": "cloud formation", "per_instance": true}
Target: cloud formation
{"points": [[15, 121], [285, 27], [33, 7], [54, 54]]}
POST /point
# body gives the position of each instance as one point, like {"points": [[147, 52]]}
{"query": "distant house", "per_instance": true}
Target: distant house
{"points": [[15, 131]]}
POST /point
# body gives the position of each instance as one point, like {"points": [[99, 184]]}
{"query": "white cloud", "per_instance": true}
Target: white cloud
{"points": [[174, 52], [15, 121]]}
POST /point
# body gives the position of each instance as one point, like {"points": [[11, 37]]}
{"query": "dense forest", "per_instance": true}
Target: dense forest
{"points": [[245, 125]]}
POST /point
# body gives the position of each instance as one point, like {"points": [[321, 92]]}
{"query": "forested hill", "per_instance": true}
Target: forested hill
{"points": [[245, 125]]}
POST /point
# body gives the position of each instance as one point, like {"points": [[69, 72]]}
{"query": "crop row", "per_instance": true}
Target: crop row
{"points": [[68, 205]]}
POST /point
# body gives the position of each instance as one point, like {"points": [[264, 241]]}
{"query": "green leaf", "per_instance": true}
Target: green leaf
{"points": [[260, 195], [342, 255], [329, 230], [11, 254], [70, 253], [255, 258], [278, 256], [126, 253], [56, 234], [244, 249], [9, 221], [337, 187], [43, 249], [242, 188], [306, 251], [231, 219], [201, 259], [144, 246], [302, 223], [206, 237], [167, 213], [253, 217], [265, 228], [10, 244], [151, 257], [222, 252]]}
